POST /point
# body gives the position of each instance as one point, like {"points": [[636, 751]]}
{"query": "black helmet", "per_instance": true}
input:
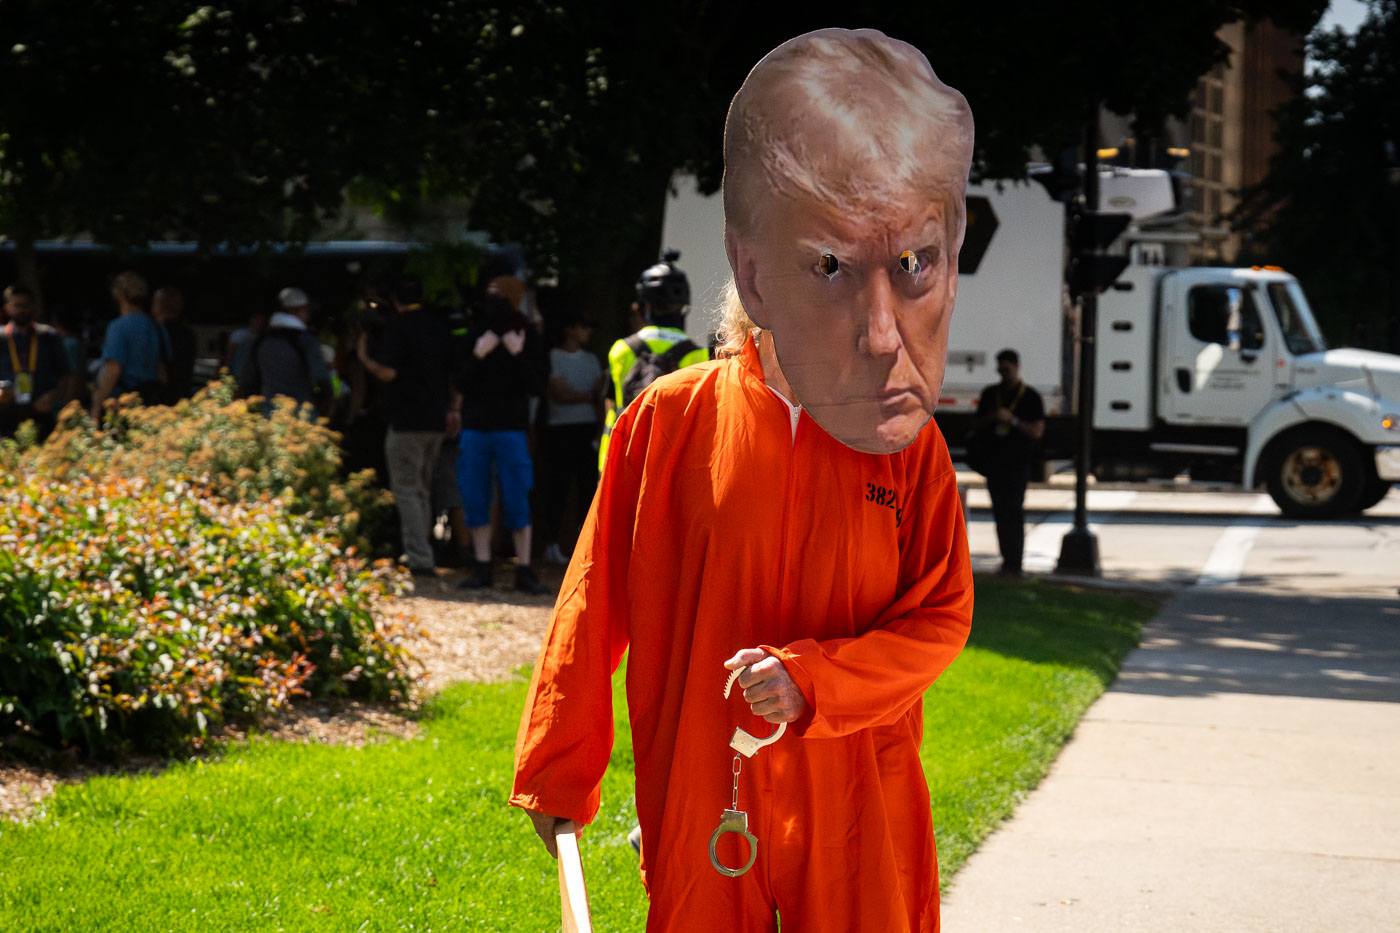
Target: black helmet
{"points": [[663, 286]]}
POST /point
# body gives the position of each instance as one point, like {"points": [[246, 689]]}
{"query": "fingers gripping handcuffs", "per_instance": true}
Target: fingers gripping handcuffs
{"points": [[735, 820]]}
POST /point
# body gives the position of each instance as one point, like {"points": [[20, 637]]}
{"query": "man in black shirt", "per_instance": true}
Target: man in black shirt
{"points": [[34, 375], [413, 356], [1011, 415]]}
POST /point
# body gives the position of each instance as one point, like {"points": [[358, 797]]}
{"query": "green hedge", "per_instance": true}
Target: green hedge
{"points": [[242, 449], [138, 615]]}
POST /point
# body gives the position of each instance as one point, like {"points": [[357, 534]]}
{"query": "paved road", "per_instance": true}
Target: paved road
{"points": [[1241, 774], [1181, 537]]}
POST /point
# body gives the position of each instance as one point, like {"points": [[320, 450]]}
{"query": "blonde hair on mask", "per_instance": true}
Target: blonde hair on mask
{"points": [[853, 120], [735, 326]]}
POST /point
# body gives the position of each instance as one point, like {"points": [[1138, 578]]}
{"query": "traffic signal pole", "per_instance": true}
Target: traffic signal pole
{"points": [[1079, 549]]}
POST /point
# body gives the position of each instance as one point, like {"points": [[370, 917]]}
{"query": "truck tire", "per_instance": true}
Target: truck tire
{"points": [[1373, 492], [1315, 473]]}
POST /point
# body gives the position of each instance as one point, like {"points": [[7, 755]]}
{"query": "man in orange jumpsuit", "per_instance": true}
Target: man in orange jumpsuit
{"points": [[733, 529]]}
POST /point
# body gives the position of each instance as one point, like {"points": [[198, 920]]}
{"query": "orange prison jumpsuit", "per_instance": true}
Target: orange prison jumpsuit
{"points": [[713, 530]]}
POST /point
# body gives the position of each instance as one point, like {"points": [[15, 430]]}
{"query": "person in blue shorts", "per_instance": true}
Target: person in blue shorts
{"points": [[504, 365]]}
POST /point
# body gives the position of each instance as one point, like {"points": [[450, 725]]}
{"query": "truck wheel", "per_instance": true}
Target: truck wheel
{"points": [[1374, 491], [1316, 473]]}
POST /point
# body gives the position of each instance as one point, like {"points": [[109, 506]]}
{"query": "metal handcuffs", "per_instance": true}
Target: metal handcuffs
{"points": [[735, 820]]}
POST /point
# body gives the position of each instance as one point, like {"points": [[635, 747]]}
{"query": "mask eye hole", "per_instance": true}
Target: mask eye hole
{"points": [[909, 262], [829, 265]]}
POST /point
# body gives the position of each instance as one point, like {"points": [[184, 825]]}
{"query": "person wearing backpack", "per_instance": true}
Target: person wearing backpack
{"points": [[286, 358], [660, 347]]}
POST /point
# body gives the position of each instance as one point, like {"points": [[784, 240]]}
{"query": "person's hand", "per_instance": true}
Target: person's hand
{"points": [[514, 341], [768, 688], [485, 344], [454, 422], [43, 404], [7, 395], [1004, 415], [544, 828]]}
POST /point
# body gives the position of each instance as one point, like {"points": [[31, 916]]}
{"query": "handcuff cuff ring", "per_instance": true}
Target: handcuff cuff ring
{"points": [[733, 821]]}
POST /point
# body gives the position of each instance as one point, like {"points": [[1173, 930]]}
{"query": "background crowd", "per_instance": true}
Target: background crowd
{"points": [[485, 419]]}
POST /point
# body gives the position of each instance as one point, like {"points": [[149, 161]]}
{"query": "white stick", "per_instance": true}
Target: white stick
{"points": [[573, 896]]}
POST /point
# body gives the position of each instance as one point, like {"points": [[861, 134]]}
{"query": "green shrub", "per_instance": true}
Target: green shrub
{"points": [[232, 445], [138, 614]]}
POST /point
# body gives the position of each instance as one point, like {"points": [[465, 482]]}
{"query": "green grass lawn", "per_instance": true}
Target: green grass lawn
{"points": [[413, 834]]}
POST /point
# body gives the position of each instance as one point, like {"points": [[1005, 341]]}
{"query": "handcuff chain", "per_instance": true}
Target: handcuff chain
{"points": [[738, 766]]}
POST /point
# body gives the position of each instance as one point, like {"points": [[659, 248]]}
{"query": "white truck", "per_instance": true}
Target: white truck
{"points": [[1220, 374]]}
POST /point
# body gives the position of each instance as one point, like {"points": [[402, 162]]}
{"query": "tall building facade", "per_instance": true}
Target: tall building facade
{"points": [[1230, 131]]}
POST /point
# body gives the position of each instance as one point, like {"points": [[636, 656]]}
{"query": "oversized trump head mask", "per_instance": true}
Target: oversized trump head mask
{"points": [[845, 171]]}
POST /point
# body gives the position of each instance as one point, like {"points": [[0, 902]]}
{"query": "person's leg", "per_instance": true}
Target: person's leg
{"points": [[585, 480], [447, 498], [403, 450], [1016, 518], [517, 476], [554, 482], [474, 480], [429, 446], [997, 489]]}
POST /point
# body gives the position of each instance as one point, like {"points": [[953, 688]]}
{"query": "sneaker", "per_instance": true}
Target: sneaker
{"points": [[552, 555], [480, 576], [423, 573], [527, 582], [634, 838]]}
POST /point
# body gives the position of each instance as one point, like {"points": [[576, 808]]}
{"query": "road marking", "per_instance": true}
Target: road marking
{"points": [[1042, 549], [1226, 561]]}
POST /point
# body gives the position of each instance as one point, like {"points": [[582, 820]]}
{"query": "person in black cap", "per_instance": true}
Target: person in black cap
{"points": [[661, 346]]}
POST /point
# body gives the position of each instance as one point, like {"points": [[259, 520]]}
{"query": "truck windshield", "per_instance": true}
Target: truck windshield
{"points": [[1300, 333]]}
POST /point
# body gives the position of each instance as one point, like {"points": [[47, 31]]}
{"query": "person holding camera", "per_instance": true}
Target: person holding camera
{"points": [[1011, 418]]}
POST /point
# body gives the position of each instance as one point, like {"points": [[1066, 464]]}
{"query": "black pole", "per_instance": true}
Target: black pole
{"points": [[1079, 550], [1392, 330]]}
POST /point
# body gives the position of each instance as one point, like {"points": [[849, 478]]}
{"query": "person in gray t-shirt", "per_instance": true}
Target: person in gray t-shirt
{"points": [[570, 451]]}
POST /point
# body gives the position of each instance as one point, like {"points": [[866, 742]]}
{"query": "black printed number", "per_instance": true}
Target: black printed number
{"points": [[887, 498]]}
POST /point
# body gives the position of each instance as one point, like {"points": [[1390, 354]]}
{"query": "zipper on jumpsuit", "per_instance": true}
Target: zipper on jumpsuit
{"points": [[795, 418]]}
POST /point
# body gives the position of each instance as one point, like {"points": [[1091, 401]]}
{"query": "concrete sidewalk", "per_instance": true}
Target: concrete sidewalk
{"points": [[1242, 774]]}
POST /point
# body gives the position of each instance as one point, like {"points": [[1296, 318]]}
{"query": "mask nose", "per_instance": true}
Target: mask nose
{"points": [[880, 331]]}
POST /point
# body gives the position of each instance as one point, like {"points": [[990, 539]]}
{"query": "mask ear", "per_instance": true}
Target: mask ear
{"points": [[745, 270]]}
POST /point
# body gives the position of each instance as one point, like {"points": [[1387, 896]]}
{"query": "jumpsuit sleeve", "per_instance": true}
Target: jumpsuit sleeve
{"points": [[876, 677], [566, 732]]}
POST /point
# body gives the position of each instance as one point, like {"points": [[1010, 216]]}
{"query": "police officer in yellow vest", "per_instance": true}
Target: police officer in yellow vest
{"points": [[661, 346]]}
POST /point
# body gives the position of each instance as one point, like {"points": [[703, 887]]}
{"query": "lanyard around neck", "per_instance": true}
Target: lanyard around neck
{"points": [[14, 354]]}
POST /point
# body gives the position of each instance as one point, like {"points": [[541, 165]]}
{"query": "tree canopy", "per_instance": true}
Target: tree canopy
{"points": [[1329, 209], [556, 126]]}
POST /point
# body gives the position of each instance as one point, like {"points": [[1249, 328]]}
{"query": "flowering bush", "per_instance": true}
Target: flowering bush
{"points": [[242, 449], [137, 614]]}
